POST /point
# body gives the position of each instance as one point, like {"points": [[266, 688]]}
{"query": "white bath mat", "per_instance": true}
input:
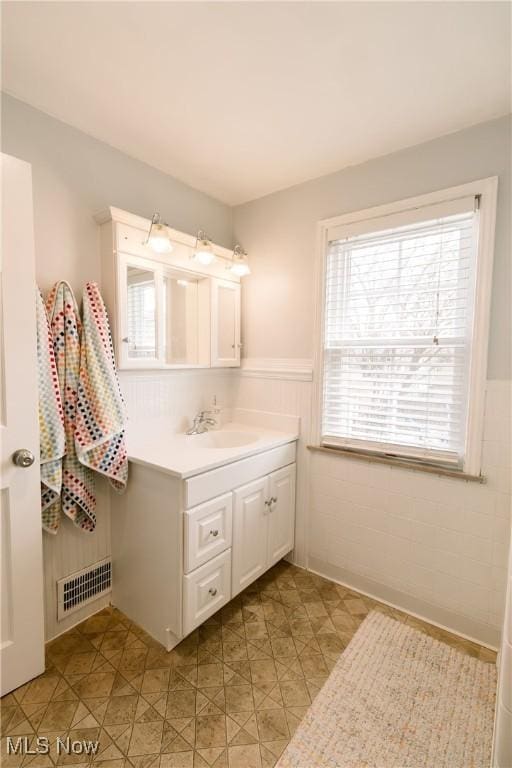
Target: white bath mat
{"points": [[397, 698]]}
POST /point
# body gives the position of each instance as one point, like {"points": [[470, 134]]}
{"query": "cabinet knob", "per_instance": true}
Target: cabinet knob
{"points": [[214, 532], [212, 591]]}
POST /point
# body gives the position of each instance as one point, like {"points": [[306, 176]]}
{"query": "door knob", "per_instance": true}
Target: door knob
{"points": [[23, 458]]}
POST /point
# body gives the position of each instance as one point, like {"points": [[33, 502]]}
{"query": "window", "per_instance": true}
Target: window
{"points": [[404, 307]]}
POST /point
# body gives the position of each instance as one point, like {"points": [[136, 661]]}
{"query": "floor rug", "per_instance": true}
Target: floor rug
{"points": [[398, 698]]}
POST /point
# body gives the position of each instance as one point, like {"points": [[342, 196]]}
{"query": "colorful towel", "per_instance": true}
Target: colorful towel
{"points": [[52, 441], [100, 425], [78, 499]]}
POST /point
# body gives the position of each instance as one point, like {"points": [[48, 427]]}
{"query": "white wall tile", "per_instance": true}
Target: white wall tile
{"points": [[442, 540]]}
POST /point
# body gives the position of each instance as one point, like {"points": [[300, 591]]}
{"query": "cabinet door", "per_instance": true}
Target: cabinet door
{"points": [[249, 534], [281, 518], [225, 324], [140, 342]]}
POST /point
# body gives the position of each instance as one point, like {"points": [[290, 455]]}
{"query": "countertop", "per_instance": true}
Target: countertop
{"points": [[183, 456]]}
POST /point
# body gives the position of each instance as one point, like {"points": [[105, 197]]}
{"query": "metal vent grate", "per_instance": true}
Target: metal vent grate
{"points": [[83, 587]]}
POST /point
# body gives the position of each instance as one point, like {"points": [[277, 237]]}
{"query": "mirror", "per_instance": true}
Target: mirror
{"points": [[181, 318], [141, 311], [170, 316]]}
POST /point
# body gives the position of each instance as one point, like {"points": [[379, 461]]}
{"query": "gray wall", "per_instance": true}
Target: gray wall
{"points": [[74, 176], [279, 233]]}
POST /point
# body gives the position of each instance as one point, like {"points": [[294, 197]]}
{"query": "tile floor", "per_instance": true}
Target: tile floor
{"points": [[231, 694]]}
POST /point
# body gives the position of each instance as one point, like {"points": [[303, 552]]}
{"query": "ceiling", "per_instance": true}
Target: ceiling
{"points": [[242, 99]]}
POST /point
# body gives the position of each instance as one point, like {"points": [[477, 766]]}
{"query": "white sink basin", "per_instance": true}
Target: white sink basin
{"points": [[227, 439]]}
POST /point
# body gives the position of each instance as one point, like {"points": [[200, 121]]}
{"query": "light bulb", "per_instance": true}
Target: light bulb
{"points": [[204, 257], [240, 268], [239, 265], [159, 240]]}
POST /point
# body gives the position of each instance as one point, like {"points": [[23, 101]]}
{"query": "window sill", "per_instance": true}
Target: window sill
{"points": [[431, 469]]}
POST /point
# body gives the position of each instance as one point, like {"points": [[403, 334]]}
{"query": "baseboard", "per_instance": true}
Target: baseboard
{"points": [[470, 629]]}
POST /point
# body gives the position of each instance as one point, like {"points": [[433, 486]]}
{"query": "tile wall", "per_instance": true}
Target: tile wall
{"points": [[435, 546]]}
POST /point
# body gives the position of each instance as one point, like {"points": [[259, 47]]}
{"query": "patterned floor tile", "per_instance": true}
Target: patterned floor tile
{"points": [[229, 696]]}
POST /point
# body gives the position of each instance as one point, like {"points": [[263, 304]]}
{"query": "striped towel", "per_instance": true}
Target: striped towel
{"points": [[78, 499], [52, 441], [100, 423]]}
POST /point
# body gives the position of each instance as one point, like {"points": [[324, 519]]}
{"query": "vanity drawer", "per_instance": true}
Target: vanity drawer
{"points": [[210, 484], [207, 531], [205, 590]]}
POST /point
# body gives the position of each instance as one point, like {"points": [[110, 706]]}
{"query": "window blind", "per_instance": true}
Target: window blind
{"points": [[397, 337]]}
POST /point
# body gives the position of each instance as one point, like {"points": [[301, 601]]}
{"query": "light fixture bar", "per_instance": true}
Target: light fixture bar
{"points": [[159, 240]]}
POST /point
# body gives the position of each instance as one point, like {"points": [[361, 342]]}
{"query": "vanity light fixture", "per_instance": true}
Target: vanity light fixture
{"points": [[239, 264], [203, 251], [158, 239]]}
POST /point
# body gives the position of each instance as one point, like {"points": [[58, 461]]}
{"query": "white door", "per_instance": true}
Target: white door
{"points": [[225, 323], [249, 534], [281, 519], [22, 627]]}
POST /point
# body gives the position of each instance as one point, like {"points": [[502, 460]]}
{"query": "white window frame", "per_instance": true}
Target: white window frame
{"points": [[486, 190]]}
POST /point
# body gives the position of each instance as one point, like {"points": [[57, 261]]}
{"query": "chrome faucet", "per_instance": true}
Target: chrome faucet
{"points": [[201, 423]]}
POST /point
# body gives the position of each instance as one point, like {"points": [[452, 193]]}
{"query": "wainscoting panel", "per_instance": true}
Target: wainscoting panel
{"points": [[177, 396], [71, 550]]}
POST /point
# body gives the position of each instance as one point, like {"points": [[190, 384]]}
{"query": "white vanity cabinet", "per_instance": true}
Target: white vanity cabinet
{"points": [[182, 547], [167, 310]]}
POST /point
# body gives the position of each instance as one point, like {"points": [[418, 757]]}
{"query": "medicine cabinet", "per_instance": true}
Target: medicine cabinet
{"points": [[166, 310]]}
